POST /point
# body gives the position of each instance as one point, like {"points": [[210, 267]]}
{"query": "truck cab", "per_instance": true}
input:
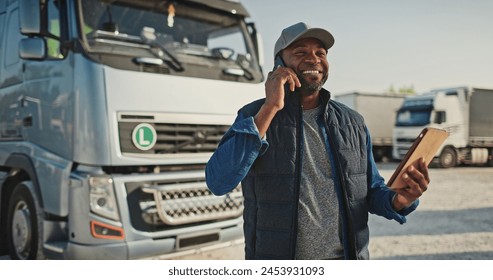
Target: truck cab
{"points": [[109, 111], [461, 111]]}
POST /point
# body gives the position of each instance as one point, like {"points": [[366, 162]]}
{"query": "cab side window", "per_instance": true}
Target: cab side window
{"points": [[53, 29]]}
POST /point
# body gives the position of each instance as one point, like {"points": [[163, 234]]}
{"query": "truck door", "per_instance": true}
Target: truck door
{"points": [[46, 97]]}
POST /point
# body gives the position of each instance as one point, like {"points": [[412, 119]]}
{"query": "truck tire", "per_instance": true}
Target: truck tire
{"points": [[24, 224], [448, 158]]}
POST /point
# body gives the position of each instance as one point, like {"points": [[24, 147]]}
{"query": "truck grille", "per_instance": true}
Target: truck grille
{"points": [[402, 152], [174, 138], [403, 145], [188, 202]]}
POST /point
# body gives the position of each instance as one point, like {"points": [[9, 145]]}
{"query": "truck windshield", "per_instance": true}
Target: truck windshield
{"points": [[169, 37], [413, 117]]}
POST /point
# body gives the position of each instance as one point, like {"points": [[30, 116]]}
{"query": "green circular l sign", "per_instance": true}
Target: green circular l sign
{"points": [[144, 136]]}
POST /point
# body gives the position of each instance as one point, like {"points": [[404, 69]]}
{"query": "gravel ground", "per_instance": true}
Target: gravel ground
{"points": [[454, 220]]}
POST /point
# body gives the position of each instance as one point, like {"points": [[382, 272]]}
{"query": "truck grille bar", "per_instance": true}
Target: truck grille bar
{"points": [[189, 202], [175, 138]]}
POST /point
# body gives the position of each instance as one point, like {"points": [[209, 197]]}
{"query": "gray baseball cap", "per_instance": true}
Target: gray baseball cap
{"points": [[299, 31]]}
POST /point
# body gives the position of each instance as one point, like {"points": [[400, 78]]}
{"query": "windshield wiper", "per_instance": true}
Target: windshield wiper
{"points": [[148, 36], [227, 54]]}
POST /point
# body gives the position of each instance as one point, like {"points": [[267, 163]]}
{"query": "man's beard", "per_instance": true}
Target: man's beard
{"points": [[309, 87]]}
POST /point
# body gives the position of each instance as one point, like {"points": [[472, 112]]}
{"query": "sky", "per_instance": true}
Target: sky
{"points": [[379, 44]]}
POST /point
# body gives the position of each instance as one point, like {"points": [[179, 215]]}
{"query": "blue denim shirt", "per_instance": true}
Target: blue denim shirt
{"points": [[242, 144]]}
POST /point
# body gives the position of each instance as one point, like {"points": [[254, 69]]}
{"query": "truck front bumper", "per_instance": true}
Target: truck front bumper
{"points": [[150, 248]]}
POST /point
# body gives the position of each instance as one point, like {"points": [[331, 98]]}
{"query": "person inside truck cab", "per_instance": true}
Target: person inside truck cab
{"points": [[305, 163]]}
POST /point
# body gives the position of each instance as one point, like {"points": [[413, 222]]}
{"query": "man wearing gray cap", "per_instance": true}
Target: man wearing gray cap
{"points": [[305, 163]]}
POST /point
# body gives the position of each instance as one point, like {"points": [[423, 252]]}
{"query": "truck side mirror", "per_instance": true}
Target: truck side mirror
{"points": [[29, 17], [440, 117], [32, 48]]}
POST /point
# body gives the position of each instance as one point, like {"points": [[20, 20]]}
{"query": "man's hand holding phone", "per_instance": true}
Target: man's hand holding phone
{"points": [[279, 81], [416, 179]]}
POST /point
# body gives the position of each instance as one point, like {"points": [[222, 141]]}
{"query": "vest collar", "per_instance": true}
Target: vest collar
{"points": [[293, 99]]}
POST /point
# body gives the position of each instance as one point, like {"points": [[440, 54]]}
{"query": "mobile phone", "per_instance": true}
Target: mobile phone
{"points": [[278, 61], [425, 146]]}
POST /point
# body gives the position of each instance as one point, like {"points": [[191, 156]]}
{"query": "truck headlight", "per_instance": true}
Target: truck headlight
{"points": [[102, 197]]}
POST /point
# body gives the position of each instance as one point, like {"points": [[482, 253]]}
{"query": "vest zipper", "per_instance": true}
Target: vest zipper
{"points": [[299, 154]]}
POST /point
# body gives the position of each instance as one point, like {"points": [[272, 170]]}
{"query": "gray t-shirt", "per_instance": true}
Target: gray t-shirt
{"points": [[318, 214]]}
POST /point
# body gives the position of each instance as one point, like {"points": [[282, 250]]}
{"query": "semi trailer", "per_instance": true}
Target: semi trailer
{"points": [[464, 112]]}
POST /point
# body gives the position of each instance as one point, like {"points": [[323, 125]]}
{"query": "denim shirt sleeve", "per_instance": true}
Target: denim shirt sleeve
{"points": [[380, 196], [237, 151]]}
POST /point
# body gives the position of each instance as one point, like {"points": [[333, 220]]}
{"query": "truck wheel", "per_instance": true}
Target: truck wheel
{"points": [[448, 158], [378, 154], [24, 230]]}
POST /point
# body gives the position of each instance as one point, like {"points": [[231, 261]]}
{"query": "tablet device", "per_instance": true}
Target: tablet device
{"points": [[425, 146]]}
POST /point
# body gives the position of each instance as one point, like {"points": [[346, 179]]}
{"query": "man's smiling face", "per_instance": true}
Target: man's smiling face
{"points": [[308, 58]]}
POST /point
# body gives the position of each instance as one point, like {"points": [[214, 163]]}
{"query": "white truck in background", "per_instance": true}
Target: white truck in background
{"points": [[109, 111], [379, 111], [465, 112]]}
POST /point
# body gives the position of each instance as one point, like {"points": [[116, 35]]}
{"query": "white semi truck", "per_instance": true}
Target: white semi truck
{"points": [[109, 111], [465, 112], [379, 111]]}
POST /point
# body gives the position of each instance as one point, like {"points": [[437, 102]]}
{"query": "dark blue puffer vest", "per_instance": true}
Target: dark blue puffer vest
{"points": [[271, 188]]}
